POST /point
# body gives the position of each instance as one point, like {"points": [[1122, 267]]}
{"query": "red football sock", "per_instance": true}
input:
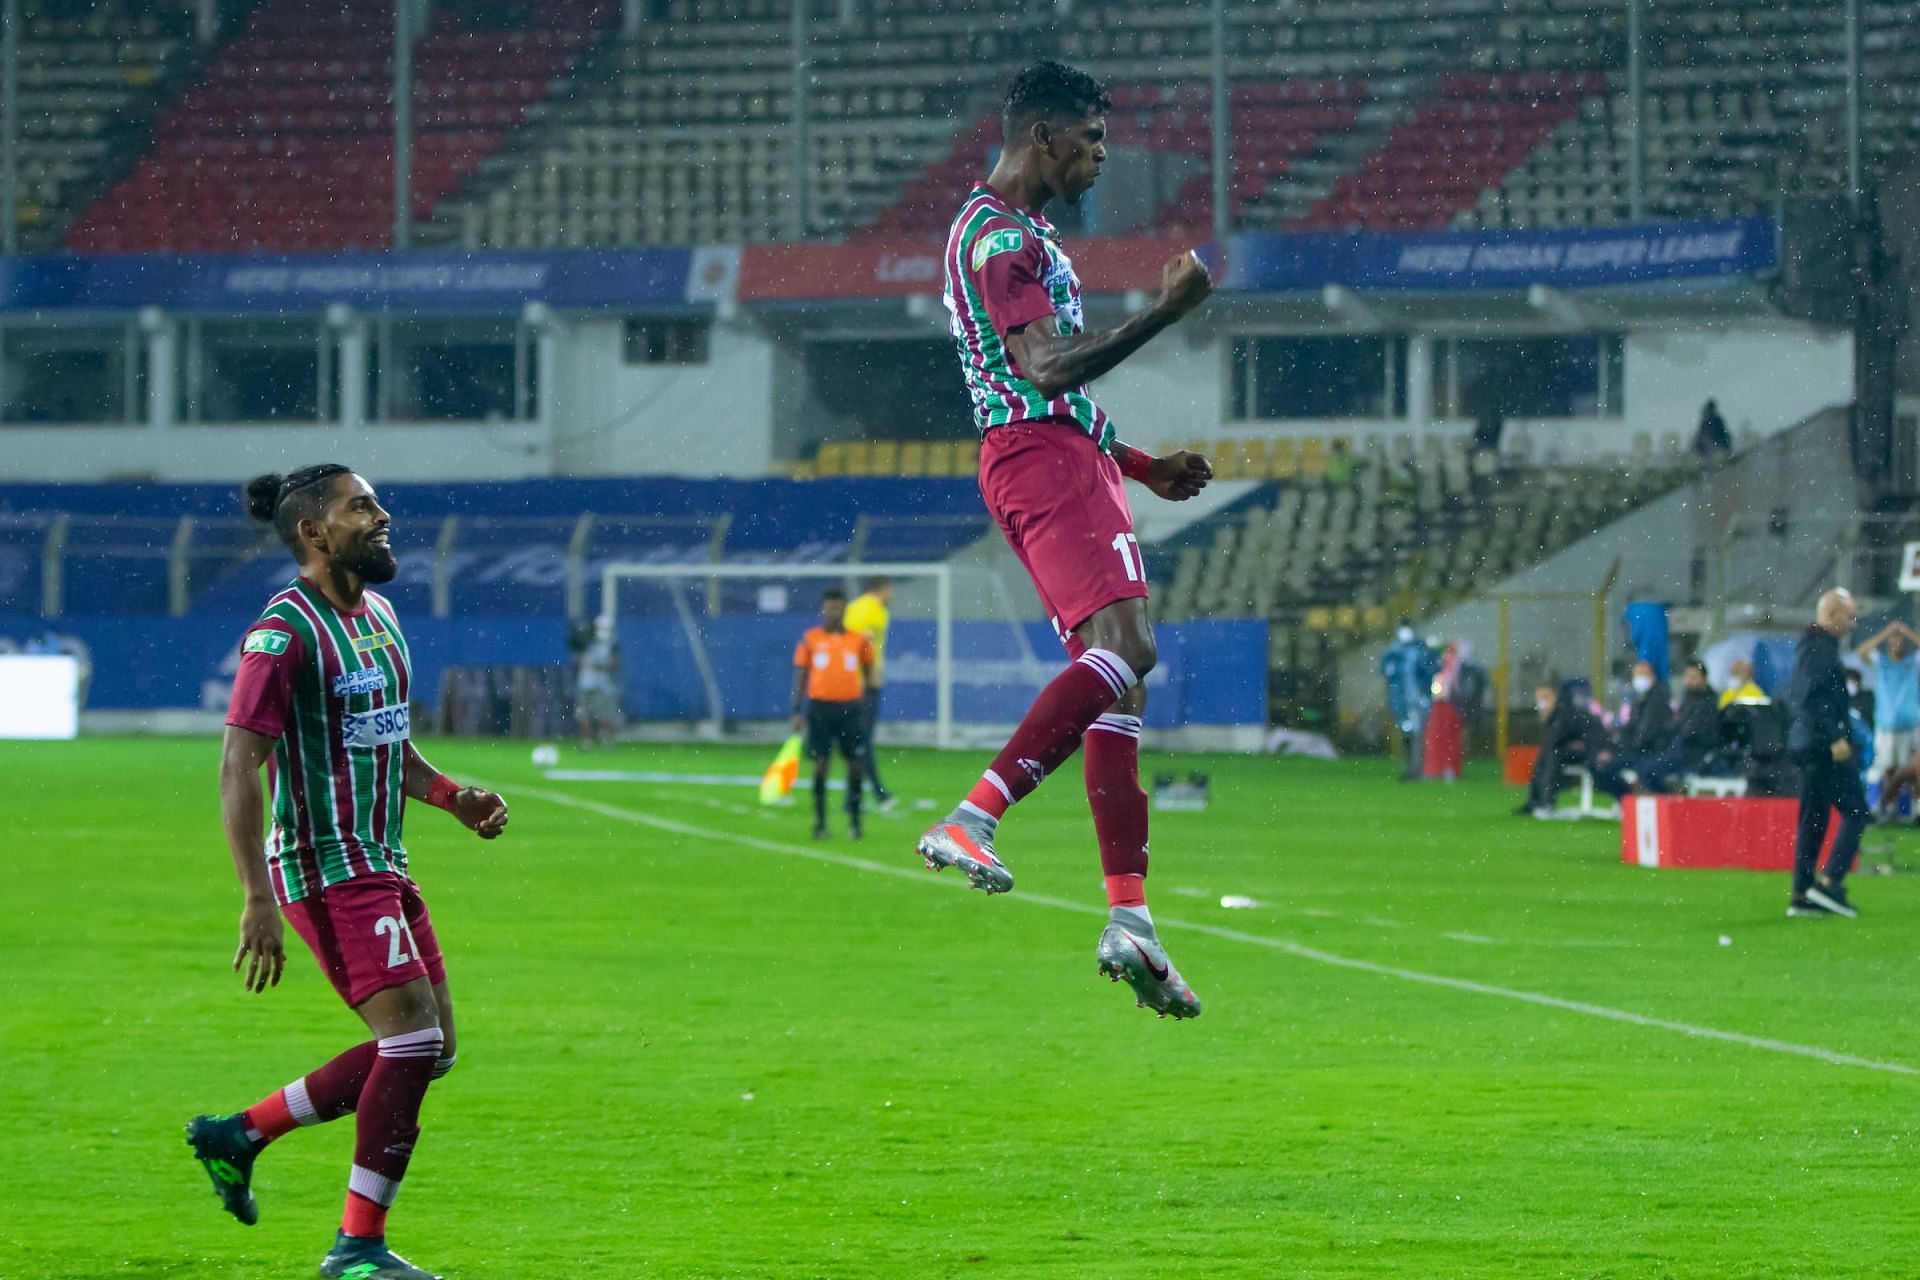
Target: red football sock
{"points": [[325, 1094], [1052, 729], [1119, 806], [387, 1128]]}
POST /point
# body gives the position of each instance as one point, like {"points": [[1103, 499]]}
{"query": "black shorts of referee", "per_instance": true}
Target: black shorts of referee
{"points": [[836, 724]]}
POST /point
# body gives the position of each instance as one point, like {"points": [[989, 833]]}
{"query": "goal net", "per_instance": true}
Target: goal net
{"points": [[708, 648]]}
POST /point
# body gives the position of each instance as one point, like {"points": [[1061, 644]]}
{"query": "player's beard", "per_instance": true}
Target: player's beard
{"points": [[371, 564]]}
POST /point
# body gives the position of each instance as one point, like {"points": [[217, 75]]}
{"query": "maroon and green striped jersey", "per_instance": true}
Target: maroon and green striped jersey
{"points": [[331, 689], [1004, 270]]}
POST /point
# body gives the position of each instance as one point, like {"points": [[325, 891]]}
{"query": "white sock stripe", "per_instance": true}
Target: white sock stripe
{"points": [[978, 812], [444, 1065], [373, 1186], [299, 1104], [413, 1044], [1115, 667], [1105, 672], [1113, 722], [998, 785]]}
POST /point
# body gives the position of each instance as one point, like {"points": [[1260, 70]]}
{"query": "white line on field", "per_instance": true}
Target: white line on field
{"points": [[1283, 945]]}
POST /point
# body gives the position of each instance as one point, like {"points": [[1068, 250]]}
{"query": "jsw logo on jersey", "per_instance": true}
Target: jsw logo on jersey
{"points": [[365, 730], [365, 680]]}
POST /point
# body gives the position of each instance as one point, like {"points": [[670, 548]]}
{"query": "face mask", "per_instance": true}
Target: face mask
{"points": [[1642, 683], [1544, 708], [1404, 634]]}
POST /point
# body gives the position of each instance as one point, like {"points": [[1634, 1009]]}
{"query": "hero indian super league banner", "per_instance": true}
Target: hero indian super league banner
{"points": [[1568, 258], [428, 281], [456, 281]]}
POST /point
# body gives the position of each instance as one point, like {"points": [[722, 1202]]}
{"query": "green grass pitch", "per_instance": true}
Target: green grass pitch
{"points": [[695, 1044]]}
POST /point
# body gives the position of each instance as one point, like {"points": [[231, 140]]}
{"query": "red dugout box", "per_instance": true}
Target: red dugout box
{"points": [[1678, 831]]}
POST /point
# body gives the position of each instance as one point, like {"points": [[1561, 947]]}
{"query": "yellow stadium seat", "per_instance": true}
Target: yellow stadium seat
{"points": [[1284, 466], [858, 459], [1319, 618], [913, 458], [1346, 617], [1374, 617], [966, 458], [832, 460], [884, 456]]}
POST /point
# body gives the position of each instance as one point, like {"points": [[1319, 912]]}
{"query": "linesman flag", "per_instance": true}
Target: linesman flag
{"points": [[776, 785]]}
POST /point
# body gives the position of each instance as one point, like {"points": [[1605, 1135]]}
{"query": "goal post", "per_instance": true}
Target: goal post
{"points": [[699, 604]]}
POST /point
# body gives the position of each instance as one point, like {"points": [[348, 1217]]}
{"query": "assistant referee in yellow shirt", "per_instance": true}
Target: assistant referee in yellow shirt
{"points": [[868, 615]]}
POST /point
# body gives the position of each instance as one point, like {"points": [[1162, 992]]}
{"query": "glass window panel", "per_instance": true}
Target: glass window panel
{"points": [[62, 374]]}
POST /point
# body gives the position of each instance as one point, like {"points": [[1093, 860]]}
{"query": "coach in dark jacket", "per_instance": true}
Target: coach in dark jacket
{"points": [[1820, 741]]}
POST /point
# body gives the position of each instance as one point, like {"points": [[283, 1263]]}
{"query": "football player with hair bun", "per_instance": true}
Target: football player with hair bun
{"points": [[320, 700]]}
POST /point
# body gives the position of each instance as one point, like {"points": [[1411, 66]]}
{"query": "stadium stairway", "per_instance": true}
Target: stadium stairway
{"points": [[90, 87]]}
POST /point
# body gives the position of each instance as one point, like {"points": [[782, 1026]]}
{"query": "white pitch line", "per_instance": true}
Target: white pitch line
{"points": [[1284, 945]]}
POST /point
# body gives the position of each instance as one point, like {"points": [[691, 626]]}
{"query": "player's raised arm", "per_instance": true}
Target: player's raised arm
{"points": [[242, 752], [479, 811], [1056, 363]]}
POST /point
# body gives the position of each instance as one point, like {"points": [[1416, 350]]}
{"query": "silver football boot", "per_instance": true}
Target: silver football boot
{"points": [[1132, 953], [968, 846]]}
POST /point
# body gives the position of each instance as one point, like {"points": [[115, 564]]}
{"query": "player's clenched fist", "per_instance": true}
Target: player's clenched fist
{"points": [[1184, 283], [1179, 475]]}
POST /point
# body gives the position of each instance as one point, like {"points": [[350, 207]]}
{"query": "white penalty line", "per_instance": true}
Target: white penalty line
{"points": [[1286, 946]]}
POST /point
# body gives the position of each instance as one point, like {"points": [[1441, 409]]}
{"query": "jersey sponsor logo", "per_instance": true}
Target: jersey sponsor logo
{"points": [[1065, 290], [367, 644], [269, 642], [995, 243], [368, 729], [365, 680]]}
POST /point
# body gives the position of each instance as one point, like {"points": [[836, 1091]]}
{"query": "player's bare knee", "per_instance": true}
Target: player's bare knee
{"points": [[1138, 650]]}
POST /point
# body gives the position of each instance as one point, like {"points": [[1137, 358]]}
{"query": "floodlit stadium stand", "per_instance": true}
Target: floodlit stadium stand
{"points": [[1347, 114], [287, 140]]}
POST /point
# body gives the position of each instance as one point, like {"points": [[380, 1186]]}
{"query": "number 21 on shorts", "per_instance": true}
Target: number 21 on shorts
{"points": [[1129, 548], [394, 930]]}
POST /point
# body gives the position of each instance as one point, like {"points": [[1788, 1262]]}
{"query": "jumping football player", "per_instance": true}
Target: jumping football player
{"points": [[1051, 469], [321, 700]]}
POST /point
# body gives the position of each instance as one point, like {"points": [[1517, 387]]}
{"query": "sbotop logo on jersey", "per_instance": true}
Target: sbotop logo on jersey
{"points": [[1066, 297], [368, 643], [366, 730], [365, 680]]}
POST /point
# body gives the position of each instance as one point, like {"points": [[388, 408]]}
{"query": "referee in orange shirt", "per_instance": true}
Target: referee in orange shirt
{"points": [[830, 669]]}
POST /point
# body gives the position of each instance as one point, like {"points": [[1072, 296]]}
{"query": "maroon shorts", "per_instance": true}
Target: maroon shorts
{"points": [[1062, 504], [369, 933]]}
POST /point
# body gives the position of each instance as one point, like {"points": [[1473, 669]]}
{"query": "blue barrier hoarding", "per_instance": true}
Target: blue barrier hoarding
{"points": [[144, 663]]}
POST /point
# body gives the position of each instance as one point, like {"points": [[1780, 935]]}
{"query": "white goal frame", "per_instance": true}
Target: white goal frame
{"points": [[941, 574]]}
